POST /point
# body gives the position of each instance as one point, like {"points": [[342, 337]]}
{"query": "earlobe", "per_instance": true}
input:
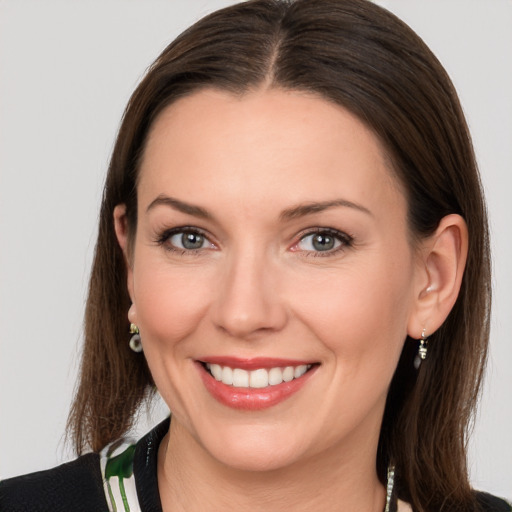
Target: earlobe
{"points": [[440, 275], [121, 229]]}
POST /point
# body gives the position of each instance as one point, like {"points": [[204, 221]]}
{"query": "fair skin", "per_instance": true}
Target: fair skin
{"points": [[230, 263]]}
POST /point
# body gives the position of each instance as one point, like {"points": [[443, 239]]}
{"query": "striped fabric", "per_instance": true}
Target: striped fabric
{"points": [[116, 461]]}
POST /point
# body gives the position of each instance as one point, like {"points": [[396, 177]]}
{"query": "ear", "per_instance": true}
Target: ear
{"points": [[439, 275], [121, 228]]}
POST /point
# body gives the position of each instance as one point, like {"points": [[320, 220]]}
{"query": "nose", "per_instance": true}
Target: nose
{"points": [[248, 303]]}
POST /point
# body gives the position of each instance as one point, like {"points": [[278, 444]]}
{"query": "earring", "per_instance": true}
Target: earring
{"points": [[422, 350], [135, 343], [389, 487]]}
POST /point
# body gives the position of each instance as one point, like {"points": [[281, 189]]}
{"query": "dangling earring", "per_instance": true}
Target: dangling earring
{"points": [[135, 343], [422, 350], [389, 487]]}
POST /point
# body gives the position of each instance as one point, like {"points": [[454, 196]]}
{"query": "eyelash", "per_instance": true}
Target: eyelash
{"points": [[345, 241], [164, 240]]}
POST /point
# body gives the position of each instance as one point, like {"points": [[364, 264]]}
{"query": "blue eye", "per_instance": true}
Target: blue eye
{"points": [[189, 240], [323, 241], [184, 240]]}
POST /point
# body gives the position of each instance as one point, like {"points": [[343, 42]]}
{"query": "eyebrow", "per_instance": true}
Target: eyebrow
{"points": [[180, 206], [302, 210], [294, 212]]}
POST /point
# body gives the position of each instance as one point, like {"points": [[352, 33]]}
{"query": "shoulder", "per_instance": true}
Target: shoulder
{"points": [[489, 503], [486, 503], [124, 471], [76, 486]]}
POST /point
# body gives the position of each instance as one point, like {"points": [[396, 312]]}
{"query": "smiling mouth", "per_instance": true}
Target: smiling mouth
{"points": [[256, 379], [254, 384]]}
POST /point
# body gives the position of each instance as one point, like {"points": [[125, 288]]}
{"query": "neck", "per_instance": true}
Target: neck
{"points": [[189, 478]]}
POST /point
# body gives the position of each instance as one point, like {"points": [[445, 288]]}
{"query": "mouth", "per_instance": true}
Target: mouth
{"points": [[256, 379], [254, 384]]}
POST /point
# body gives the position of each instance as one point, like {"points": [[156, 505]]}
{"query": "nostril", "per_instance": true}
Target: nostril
{"points": [[250, 319], [246, 302]]}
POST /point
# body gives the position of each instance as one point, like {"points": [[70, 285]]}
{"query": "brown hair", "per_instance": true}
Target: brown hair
{"points": [[363, 58]]}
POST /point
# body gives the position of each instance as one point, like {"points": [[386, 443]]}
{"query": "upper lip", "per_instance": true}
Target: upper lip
{"points": [[254, 363]]}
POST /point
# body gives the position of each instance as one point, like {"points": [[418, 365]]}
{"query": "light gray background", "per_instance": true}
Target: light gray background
{"points": [[66, 72]]}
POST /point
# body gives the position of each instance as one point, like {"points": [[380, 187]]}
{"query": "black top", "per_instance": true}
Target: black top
{"points": [[78, 486]]}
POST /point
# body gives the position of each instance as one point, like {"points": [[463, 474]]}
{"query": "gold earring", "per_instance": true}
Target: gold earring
{"points": [[135, 342]]}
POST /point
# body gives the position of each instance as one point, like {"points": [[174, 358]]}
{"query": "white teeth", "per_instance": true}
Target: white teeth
{"points": [[275, 376], [227, 375], [260, 378], [288, 373], [240, 378], [216, 371], [300, 371]]}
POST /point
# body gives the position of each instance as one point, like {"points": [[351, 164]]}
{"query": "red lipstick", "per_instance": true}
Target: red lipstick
{"points": [[250, 398]]}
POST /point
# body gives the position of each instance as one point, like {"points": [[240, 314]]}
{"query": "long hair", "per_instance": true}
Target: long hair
{"points": [[359, 56]]}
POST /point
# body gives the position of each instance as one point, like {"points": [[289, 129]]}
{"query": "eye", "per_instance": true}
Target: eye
{"points": [[326, 241], [189, 240], [184, 240]]}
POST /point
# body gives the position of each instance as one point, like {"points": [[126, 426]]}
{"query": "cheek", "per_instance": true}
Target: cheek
{"points": [[169, 301], [359, 314], [170, 304]]}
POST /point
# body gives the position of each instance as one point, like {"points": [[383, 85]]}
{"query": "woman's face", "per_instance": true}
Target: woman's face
{"points": [[271, 250]]}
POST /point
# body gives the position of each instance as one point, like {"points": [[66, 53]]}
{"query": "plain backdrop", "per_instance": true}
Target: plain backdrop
{"points": [[66, 72]]}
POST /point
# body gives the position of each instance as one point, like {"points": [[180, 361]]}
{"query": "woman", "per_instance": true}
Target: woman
{"points": [[294, 228]]}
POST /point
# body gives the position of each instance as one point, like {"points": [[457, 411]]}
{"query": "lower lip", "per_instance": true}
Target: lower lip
{"points": [[252, 399]]}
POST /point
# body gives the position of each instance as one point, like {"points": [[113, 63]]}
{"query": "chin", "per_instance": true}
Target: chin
{"points": [[256, 450], [261, 461]]}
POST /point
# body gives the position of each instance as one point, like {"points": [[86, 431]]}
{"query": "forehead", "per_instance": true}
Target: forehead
{"points": [[263, 144]]}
